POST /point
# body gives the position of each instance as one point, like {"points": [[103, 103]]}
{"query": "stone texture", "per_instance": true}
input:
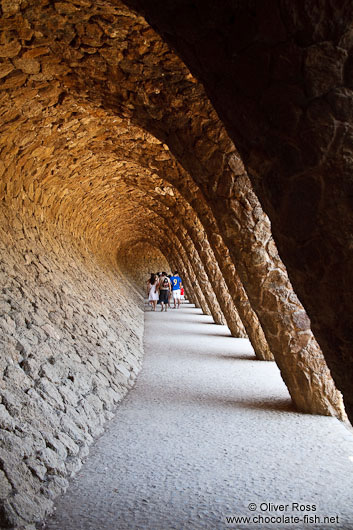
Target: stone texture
{"points": [[95, 111], [138, 260], [213, 171], [201, 431], [273, 59], [47, 368]]}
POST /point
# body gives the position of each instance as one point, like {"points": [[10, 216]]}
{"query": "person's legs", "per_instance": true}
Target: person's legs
{"points": [[176, 297], [163, 299]]}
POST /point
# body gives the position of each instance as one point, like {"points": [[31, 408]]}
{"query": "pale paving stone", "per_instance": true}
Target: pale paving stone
{"points": [[207, 430]]}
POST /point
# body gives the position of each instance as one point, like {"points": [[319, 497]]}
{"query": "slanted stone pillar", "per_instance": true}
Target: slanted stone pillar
{"points": [[246, 231], [229, 273], [165, 200], [187, 217], [199, 239], [202, 277], [219, 286], [191, 278], [230, 294]]}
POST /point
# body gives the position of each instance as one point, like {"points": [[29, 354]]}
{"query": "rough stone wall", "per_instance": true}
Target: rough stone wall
{"points": [[71, 346], [138, 260]]}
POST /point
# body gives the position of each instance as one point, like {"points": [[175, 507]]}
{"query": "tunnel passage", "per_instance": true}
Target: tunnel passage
{"points": [[114, 161], [138, 259], [279, 74]]}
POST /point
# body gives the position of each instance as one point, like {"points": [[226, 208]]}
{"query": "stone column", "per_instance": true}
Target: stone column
{"points": [[246, 231], [192, 296], [229, 300], [219, 286], [195, 231], [199, 240], [202, 277], [192, 280], [240, 298]]}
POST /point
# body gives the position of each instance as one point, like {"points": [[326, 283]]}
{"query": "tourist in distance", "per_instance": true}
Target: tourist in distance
{"points": [[182, 294], [177, 285], [152, 291], [164, 288], [170, 292]]}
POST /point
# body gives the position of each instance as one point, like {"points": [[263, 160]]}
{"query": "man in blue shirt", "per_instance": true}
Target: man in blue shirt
{"points": [[177, 284]]}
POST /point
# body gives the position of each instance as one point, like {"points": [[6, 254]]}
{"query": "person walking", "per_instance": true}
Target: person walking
{"points": [[177, 285], [164, 288], [170, 292], [152, 291]]}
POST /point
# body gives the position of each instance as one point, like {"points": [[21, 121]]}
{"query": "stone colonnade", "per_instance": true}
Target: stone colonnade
{"points": [[108, 144]]}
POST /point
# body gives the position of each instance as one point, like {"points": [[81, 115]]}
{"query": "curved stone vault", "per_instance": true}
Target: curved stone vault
{"points": [[114, 162]]}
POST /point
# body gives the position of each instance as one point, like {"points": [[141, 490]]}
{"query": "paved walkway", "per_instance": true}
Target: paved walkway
{"points": [[206, 431]]}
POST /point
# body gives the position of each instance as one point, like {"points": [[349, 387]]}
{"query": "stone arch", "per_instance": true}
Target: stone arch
{"points": [[90, 93], [280, 79], [183, 215], [244, 247], [64, 205], [315, 352], [213, 163]]}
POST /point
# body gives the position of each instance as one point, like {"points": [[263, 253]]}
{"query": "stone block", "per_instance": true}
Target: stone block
{"points": [[70, 397], [93, 405], [52, 461], [27, 65], [54, 486], [13, 399], [56, 445], [72, 430], [109, 397], [18, 473], [73, 465], [6, 420], [124, 371], [49, 392], [18, 377], [17, 445], [10, 49], [5, 486], [30, 509], [10, 7], [37, 467], [71, 447]]}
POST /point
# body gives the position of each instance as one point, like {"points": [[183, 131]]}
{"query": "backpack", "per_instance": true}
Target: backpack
{"points": [[165, 282]]}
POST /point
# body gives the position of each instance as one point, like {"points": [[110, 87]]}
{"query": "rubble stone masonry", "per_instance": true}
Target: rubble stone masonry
{"points": [[71, 337]]}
